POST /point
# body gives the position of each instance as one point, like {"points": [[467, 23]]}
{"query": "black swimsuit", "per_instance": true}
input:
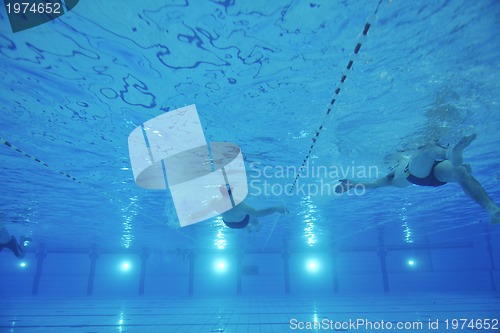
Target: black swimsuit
{"points": [[430, 180], [14, 246], [239, 225]]}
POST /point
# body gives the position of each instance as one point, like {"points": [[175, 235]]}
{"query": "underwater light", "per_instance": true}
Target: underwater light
{"points": [[22, 264], [220, 266], [411, 262], [312, 266], [125, 266]]}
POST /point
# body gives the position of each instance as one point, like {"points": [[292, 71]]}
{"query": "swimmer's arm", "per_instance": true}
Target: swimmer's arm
{"points": [[261, 212], [390, 179], [203, 212], [381, 182]]}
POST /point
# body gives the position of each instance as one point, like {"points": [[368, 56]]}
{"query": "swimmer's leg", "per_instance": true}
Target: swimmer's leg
{"points": [[4, 235], [474, 190], [447, 172], [254, 224], [455, 155], [495, 217]]}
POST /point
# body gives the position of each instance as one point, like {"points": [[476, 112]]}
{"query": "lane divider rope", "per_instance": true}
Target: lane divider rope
{"points": [[36, 159], [68, 176], [361, 39]]}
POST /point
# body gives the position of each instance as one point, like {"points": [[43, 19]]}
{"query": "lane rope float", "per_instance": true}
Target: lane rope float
{"points": [[361, 39]]}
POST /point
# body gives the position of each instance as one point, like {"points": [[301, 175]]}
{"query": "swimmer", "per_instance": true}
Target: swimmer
{"points": [[10, 242], [242, 215], [434, 165]]}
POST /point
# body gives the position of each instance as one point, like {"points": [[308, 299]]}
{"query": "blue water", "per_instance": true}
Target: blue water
{"points": [[262, 75]]}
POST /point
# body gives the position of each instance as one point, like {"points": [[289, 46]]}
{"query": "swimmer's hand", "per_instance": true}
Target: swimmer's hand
{"points": [[282, 210]]}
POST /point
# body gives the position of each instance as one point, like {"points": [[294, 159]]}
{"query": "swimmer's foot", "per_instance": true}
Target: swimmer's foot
{"points": [[343, 186], [495, 216], [466, 141], [457, 151]]}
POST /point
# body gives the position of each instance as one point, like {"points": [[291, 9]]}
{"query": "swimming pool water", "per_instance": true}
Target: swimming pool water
{"points": [[262, 75]]}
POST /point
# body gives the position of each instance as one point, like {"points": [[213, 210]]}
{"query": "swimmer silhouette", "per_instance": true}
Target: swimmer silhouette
{"points": [[435, 166], [241, 216]]}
